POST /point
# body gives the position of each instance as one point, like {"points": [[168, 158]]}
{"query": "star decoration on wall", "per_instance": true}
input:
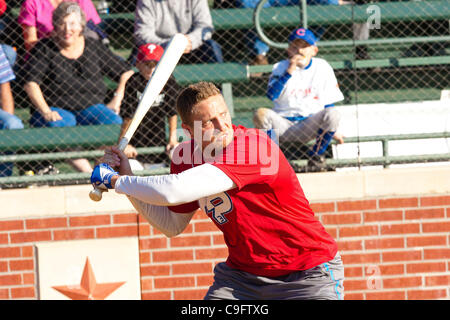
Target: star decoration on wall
{"points": [[89, 289]]}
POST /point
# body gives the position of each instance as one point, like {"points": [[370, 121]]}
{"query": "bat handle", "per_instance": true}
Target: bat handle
{"points": [[123, 143], [96, 194]]}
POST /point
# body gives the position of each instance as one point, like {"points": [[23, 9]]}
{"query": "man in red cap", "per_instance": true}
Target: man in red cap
{"points": [[151, 131]]}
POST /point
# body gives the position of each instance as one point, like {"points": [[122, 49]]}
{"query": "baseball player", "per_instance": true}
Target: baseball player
{"points": [[303, 89], [242, 181]]}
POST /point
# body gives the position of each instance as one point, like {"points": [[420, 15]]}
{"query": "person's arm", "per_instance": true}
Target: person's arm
{"points": [[276, 85], [162, 218], [152, 195], [27, 19], [7, 101], [162, 190], [37, 99], [30, 37], [90, 11], [172, 134], [144, 25], [202, 26], [114, 104], [173, 189], [130, 151]]}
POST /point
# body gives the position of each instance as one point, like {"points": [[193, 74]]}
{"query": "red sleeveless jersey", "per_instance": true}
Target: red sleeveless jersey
{"points": [[267, 222]]}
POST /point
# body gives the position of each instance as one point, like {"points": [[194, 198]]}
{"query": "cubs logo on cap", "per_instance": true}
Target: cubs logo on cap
{"points": [[149, 52], [304, 34]]}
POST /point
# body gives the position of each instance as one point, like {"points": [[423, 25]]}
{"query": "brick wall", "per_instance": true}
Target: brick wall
{"points": [[392, 248]]}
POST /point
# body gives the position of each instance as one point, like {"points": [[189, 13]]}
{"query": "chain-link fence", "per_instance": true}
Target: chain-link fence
{"points": [[390, 58]]}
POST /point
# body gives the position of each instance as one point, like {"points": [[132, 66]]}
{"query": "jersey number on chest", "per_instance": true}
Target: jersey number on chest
{"points": [[218, 206]]}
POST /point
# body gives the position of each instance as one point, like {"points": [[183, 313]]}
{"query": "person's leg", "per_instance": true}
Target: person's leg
{"points": [[323, 282], [68, 119], [267, 119], [328, 121], [97, 114], [361, 32], [8, 122], [233, 284], [209, 52]]}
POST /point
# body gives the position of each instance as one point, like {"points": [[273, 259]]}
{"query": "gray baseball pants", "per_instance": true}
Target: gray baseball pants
{"points": [[323, 282], [297, 131]]}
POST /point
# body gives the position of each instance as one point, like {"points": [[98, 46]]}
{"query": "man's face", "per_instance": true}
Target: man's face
{"points": [[146, 68], [304, 52], [211, 125]]}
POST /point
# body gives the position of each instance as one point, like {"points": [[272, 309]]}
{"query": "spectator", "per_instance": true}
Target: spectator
{"points": [[8, 50], [7, 118], [152, 130], [157, 21], [304, 90], [35, 17], [64, 78]]}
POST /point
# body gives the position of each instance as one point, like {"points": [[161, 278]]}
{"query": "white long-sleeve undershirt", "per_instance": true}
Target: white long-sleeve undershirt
{"points": [[151, 195]]}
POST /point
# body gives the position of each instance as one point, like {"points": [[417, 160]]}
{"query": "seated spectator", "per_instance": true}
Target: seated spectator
{"points": [[64, 79], [8, 50], [7, 118], [152, 129], [304, 90], [157, 21], [35, 17]]}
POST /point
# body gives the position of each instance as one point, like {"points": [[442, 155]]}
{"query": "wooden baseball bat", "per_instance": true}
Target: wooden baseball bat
{"points": [[155, 84]]}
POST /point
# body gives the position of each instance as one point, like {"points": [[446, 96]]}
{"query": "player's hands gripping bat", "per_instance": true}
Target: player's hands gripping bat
{"points": [[156, 83], [101, 176]]}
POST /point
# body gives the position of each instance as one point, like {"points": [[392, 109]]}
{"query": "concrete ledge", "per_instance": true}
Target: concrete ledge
{"points": [[67, 200], [376, 183]]}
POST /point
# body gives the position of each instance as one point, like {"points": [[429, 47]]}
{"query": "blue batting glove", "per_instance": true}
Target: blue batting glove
{"points": [[101, 176]]}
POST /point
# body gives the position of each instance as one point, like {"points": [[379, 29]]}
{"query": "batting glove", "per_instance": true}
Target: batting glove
{"points": [[101, 176]]}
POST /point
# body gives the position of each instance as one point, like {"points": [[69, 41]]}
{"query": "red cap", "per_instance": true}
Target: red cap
{"points": [[149, 52]]}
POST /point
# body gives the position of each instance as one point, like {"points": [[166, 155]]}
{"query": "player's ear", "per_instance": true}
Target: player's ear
{"points": [[187, 130], [316, 50]]}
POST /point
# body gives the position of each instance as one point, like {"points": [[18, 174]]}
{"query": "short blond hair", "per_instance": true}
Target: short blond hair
{"points": [[191, 96]]}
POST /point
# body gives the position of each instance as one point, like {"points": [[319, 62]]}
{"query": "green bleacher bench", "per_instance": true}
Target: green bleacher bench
{"points": [[242, 18], [41, 139]]}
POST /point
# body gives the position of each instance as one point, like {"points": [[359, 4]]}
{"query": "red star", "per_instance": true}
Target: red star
{"points": [[89, 289]]}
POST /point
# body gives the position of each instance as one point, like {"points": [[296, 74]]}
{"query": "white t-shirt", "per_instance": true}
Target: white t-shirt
{"points": [[308, 90]]}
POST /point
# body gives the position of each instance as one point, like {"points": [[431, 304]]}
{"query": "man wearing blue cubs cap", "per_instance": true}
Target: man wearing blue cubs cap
{"points": [[303, 89], [304, 34]]}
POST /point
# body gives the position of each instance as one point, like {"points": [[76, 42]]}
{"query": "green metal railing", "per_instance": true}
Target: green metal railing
{"points": [[358, 16], [385, 160]]}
